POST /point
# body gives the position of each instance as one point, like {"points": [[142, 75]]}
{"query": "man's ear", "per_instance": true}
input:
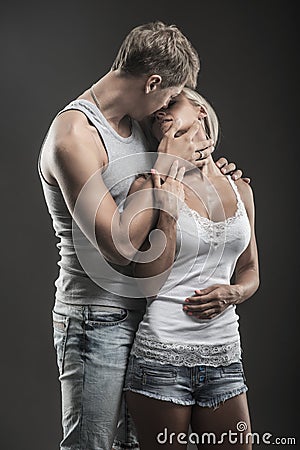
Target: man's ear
{"points": [[152, 83], [202, 112]]}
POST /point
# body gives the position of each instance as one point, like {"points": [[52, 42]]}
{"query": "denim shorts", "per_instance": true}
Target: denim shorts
{"points": [[204, 385]]}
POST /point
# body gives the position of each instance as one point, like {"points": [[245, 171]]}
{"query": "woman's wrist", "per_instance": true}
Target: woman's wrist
{"points": [[163, 164], [167, 220]]}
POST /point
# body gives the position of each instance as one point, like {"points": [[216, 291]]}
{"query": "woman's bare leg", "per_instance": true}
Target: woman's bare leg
{"points": [[152, 417], [222, 419]]}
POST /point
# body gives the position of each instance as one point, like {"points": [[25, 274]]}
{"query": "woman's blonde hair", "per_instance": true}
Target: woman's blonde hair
{"points": [[211, 122], [157, 48]]}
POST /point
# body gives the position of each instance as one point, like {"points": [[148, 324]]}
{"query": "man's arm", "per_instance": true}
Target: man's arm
{"points": [[78, 160], [77, 167]]}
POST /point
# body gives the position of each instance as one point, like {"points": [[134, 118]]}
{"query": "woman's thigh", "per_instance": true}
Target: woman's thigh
{"points": [[227, 425], [160, 424]]}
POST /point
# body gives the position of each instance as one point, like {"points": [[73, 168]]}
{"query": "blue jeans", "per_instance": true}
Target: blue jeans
{"points": [[92, 345]]}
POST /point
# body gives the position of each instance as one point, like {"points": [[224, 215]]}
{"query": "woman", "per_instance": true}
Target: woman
{"points": [[185, 367]]}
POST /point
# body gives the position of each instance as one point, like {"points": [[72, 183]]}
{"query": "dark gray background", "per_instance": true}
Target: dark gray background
{"points": [[53, 51]]}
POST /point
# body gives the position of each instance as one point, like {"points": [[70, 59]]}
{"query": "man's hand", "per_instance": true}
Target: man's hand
{"points": [[230, 169], [208, 303], [187, 148]]}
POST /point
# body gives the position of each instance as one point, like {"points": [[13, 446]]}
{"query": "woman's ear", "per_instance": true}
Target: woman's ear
{"points": [[203, 117], [152, 83], [202, 112]]}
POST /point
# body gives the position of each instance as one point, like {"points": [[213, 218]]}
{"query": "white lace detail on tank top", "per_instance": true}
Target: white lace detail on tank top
{"points": [[215, 232], [186, 354]]}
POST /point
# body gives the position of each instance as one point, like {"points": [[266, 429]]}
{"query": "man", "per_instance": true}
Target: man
{"points": [[92, 152]]}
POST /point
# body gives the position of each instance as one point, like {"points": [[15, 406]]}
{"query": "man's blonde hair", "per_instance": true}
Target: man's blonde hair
{"points": [[159, 49]]}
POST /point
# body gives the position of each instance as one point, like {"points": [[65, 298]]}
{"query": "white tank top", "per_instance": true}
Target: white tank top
{"points": [[84, 276], [206, 254]]}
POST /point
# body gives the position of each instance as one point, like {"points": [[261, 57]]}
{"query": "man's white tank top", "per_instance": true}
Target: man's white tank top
{"points": [[85, 277]]}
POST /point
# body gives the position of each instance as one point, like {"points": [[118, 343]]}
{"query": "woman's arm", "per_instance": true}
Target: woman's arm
{"points": [[246, 277], [154, 261], [208, 303]]}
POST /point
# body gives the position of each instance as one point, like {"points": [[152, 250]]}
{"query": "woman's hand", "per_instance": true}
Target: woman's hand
{"points": [[170, 193], [208, 303]]}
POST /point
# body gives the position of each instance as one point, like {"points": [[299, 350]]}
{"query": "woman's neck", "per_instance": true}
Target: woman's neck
{"points": [[209, 168]]}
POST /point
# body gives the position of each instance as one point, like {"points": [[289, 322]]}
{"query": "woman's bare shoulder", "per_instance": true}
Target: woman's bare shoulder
{"points": [[246, 192]]}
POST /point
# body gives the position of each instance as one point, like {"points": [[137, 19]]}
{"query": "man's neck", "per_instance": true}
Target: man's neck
{"points": [[111, 92]]}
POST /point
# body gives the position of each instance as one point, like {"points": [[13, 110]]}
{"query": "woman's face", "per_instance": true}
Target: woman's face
{"points": [[179, 108]]}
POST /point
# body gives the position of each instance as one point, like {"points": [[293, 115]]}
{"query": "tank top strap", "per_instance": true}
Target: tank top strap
{"points": [[87, 108], [235, 188]]}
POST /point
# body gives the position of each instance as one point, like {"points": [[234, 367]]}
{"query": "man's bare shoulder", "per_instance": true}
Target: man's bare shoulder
{"points": [[71, 138], [72, 132], [71, 124]]}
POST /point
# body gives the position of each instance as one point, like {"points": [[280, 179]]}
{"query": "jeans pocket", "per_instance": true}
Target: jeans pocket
{"points": [[60, 331], [234, 370], [99, 316], [158, 376]]}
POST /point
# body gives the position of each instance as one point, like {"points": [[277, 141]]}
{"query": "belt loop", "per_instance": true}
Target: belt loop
{"points": [[192, 369], [85, 313]]}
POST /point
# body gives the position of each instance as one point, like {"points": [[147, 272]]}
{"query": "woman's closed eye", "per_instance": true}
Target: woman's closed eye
{"points": [[171, 102]]}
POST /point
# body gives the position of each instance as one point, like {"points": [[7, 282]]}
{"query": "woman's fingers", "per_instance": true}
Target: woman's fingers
{"points": [[173, 170], [212, 314], [180, 174], [174, 173], [156, 179], [205, 311]]}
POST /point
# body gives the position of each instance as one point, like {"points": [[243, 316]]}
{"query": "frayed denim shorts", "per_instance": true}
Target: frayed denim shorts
{"points": [[204, 385]]}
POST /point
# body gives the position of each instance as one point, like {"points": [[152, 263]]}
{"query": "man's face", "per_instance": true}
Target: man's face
{"points": [[178, 108], [161, 99]]}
